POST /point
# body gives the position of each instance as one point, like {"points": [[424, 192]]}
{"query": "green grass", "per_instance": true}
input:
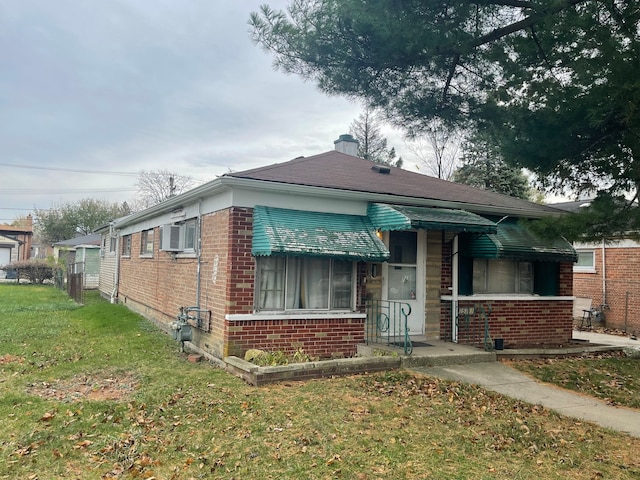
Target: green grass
{"points": [[610, 377], [178, 420]]}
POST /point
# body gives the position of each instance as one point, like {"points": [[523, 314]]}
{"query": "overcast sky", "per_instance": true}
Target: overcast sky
{"points": [[130, 85]]}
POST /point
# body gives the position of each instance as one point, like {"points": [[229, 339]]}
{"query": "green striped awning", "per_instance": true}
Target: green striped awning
{"points": [[279, 231], [400, 217], [515, 241]]}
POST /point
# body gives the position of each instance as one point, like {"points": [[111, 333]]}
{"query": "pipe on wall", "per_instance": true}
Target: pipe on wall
{"points": [[604, 274]]}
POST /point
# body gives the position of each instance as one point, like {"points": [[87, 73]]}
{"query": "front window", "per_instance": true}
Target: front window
{"points": [[146, 243], [304, 283], [502, 276]]}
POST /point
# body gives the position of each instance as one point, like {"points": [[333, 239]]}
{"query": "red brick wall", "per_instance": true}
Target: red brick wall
{"points": [[519, 322], [241, 264], [317, 337], [622, 287], [524, 323], [159, 282], [156, 287]]}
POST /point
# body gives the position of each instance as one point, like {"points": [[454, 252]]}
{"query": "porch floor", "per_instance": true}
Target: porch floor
{"points": [[428, 352]]}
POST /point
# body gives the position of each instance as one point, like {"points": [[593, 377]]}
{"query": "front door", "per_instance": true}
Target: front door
{"points": [[404, 275]]}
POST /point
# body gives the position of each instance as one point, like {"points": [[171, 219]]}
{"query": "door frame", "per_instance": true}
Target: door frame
{"points": [[417, 318]]}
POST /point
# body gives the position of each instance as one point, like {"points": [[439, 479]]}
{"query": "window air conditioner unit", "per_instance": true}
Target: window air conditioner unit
{"points": [[172, 238]]}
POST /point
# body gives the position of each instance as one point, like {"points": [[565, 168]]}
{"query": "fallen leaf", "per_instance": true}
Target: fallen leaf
{"points": [[47, 416]]}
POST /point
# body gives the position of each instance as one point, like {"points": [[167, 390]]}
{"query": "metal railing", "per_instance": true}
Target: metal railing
{"points": [[387, 323], [472, 324]]}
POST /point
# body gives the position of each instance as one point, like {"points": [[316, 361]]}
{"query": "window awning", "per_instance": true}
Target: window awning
{"points": [[400, 217], [515, 241], [278, 231]]}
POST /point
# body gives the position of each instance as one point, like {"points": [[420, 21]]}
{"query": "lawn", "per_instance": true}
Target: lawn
{"points": [[613, 378], [97, 392]]}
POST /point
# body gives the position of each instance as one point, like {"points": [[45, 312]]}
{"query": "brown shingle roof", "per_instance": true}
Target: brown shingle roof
{"points": [[336, 170]]}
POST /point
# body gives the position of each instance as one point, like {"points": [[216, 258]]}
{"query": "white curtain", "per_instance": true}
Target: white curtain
{"points": [[314, 289], [271, 283]]}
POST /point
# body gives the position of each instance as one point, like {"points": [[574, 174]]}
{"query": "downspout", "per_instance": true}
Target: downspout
{"points": [[604, 275], [116, 274], [199, 257], [454, 289]]}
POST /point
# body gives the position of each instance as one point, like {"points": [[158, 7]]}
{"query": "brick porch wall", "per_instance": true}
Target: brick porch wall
{"points": [[519, 322]]}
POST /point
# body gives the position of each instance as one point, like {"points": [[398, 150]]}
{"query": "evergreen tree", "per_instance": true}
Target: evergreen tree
{"points": [[555, 83], [483, 168]]}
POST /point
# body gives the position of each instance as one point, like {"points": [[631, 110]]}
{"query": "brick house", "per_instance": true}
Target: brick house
{"points": [[608, 272], [300, 254], [15, 242]]}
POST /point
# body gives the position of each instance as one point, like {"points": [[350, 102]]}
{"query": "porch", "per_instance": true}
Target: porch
{"points": [[428, 352]]}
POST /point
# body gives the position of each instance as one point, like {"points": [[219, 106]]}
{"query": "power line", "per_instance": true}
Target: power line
{"points": [[72, 170], [17, 208], [36, 191]]}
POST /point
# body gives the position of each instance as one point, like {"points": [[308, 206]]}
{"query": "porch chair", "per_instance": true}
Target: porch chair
{"points": [[583, 311]]}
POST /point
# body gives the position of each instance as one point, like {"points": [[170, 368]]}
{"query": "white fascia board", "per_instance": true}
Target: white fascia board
{"points": [[368, 197], [172, 204], [249, 198], [206, 194], [609, 243]]}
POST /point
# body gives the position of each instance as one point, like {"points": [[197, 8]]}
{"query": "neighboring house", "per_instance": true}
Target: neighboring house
{"points": [[608, 272], [296, 255], [15, 242], [109, 260], [84, 252]]}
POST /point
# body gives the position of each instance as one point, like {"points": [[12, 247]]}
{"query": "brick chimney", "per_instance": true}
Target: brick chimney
{"points": [[347, 144]]}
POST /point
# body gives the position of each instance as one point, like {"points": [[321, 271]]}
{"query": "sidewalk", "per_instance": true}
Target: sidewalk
{"points": [[503, 379], [605, 339]]}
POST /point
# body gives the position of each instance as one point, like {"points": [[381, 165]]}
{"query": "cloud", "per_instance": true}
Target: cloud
{"points": [[127, 86]]}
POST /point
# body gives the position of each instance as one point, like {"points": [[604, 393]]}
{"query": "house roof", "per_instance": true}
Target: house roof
{"points": [[334, 174], [10, 229], [91, 239], [339, 171], [574, 206], [105, 227], [8, 241]]}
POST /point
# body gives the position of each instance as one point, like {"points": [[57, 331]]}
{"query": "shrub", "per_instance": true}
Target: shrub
{"points": [[35, 270], [278, 357]]}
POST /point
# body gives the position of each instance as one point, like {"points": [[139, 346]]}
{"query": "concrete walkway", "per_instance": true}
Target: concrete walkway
{"points": [[503, 379], [605, 339]]}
